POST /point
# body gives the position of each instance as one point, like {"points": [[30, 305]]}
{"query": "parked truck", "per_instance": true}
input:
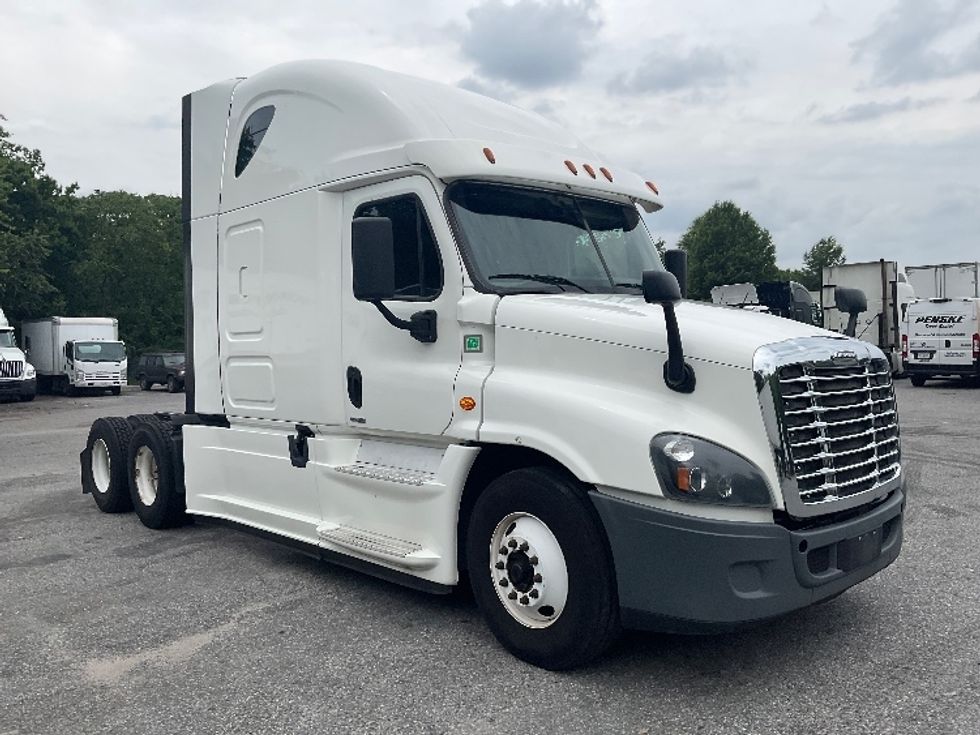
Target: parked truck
{"points": [[888, 295], [74, 354], [429, 337], [787, 299], [945, 280], [17, 375], [941, 338]]}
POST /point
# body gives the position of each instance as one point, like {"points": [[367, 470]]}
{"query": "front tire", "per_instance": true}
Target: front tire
{"points": [[172, 386], [104, 464], [541, 569], [144, 383], [155, 487], [918, 380]]}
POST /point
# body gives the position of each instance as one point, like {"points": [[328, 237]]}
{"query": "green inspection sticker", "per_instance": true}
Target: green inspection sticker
{"points": [[473, 343]]}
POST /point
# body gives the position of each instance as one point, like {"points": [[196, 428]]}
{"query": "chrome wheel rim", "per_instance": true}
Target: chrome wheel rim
{"points": [[147, 475], [101, 466], [528, 570]]}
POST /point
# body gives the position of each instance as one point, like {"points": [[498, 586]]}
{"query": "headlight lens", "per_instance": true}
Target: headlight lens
{"points": [[700, 471], [29, 371]]}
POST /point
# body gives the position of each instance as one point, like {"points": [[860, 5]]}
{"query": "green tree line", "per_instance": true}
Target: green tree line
{"points": [[109, 253]]}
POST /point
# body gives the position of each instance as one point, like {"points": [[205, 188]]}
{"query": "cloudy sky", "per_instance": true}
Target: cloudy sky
{"points": [[856, 119]]}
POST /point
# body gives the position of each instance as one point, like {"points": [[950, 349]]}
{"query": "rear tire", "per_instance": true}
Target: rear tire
{"points": [[104, 473], [155, 487], [550, 598], [172, 386], [917, 380]]}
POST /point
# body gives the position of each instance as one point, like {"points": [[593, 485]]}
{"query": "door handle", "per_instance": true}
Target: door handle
{"points": [[241, 281], [299, 449]]}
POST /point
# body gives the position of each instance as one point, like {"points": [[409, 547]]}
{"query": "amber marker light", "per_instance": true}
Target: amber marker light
{"points": [[489, 154], [606, 173], [653, 187], [467, 403], [588, 169], [571, 167]]}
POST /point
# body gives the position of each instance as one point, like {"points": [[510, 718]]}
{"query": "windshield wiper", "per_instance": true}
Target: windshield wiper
{"points": [[559, 281], [629, 285]]}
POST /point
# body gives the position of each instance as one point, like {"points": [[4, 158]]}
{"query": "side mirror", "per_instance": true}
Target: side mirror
{"points": [[373, 258], [852, 302], [660, 287], [675, 261]]}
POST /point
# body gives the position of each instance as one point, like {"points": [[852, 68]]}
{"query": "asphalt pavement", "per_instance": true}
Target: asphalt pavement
{"points": [[108, 626]]}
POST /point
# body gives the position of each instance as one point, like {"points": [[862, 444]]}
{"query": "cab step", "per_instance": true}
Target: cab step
{"points": [[399, 552], [387, 473]]}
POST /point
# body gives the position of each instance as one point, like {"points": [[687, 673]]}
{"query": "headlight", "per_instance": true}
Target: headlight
{"points": [[700, 471], [29, 371]]}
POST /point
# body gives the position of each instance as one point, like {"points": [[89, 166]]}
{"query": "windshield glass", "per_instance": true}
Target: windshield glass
{"points": [[100, 351], [536, 240], [173, 360], [7, 339]]}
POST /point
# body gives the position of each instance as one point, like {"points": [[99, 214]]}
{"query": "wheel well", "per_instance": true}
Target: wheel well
{"points": [[493, 461]]}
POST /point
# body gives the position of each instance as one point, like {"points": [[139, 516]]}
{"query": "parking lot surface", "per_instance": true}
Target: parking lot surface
{"points": [[107, 626]]}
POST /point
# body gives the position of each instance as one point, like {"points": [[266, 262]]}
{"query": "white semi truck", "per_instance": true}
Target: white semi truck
{"points": [[888, 295], [74, 354], [17, 376], [429, 337]]}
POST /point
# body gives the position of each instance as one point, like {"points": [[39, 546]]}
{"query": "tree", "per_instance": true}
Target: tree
{"points": [[726, 245], [824, 253]]}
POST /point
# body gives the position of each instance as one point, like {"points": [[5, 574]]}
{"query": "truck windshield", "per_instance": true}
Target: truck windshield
{"points": [[100, 351], [7, 339], [521, 239]]}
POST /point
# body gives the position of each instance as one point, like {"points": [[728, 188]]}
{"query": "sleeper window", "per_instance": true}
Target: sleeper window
{"points": [[418, 269], [252, 134]]}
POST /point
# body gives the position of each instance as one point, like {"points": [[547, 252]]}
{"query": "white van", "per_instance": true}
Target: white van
{"points": [[942, 338], [430, 338]]}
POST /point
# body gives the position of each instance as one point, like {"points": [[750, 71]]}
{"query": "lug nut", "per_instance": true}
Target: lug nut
{"points": [[534, 561], [500, 565], [534, 594], [537, 577], [503, 583], [524, 546], [512, 544], [512, 595], [503, 551], [524, 600]]}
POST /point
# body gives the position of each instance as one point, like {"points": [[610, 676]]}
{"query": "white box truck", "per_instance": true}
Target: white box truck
{"points": [[74, 354], [17, 375], [941, 338], [429, 337], [945, 280], [888, 293]]}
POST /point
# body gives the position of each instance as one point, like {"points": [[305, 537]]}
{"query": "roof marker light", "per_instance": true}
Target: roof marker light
{"points": [[605, 172], [589, 170], [489, 154], [653, 187], [571, 167]]}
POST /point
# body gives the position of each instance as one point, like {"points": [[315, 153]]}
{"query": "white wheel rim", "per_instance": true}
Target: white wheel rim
{"points": [[528, 571], [101, 466], [147, 475]]}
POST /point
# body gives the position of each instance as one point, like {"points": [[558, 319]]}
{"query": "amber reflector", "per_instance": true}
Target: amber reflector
{"points": [[589, 170], [489, 154], [467, 403], [605, 172], [653, 187], [684, 479], [571, 167]]}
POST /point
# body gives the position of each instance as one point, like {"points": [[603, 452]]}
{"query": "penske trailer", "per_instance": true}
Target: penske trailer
{"points": [[429, 337]]}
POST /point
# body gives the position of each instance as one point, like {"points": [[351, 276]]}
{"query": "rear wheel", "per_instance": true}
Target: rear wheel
{"points": [[172, 386], [104, 464], [541, 569], [918, 380], [155, 488]]}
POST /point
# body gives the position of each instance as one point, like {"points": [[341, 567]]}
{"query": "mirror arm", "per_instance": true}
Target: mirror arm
{"points": [[421, 325], [678, 375]]}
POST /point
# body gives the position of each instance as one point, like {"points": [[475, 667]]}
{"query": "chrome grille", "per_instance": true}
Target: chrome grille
{"points": [[840, 426], [11, 368]]}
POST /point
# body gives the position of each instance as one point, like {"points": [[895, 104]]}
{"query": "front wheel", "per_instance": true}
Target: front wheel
{"points": [[144, 383], [918, 380], [172, 386], [541, 570]]}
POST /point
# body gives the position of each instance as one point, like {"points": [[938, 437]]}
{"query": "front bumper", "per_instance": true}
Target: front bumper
{"points": [[18, 387], [683, 574]]}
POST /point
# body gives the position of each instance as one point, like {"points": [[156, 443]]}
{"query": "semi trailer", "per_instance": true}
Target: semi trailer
{"points": [[18, 378], [429, 337], [76, 354]]}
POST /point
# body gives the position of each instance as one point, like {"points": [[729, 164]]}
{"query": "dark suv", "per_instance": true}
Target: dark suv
{"points": [[166, 368]]}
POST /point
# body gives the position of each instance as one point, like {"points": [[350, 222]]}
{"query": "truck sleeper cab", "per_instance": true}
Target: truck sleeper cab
{"points": [[429, 336]]}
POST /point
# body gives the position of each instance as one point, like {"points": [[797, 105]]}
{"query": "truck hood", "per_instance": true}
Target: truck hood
{"points": [[717, 334], [11, 353]]}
